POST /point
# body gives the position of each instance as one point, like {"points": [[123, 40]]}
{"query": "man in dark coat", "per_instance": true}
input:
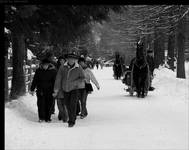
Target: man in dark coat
{"points": [[150, 60], [43, 81]]}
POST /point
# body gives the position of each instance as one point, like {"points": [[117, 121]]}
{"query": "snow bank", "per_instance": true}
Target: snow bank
{"points": [[166, 81], [162, 71]]}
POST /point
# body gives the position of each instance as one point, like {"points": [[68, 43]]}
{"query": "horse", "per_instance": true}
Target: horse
{"points": [[140, 72]]}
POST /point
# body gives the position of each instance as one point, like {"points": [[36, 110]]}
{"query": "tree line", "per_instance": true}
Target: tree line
{"points": [[162, 27], [41, 27], [62, 27]]}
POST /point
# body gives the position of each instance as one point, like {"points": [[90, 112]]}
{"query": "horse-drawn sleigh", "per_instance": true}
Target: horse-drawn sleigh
{"points": [[138, 77], [129, 81]]}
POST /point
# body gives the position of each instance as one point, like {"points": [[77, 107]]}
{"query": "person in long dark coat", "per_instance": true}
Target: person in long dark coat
{"points": [[43, 81]]}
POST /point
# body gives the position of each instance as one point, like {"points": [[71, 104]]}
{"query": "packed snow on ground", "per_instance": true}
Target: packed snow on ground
{"points": [[115, 121]]}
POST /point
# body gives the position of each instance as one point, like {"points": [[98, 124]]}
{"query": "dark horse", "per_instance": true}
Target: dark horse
{"points": [[140, 72]]}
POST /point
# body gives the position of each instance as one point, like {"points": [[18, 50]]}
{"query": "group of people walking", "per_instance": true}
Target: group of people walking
{"points": [[68, 82], [94, 62]]}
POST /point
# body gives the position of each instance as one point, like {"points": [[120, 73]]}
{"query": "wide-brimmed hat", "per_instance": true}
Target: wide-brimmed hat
{"points": [[71, 55]]}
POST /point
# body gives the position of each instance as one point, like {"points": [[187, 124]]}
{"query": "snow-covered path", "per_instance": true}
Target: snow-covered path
{"points": [[115, 120]]}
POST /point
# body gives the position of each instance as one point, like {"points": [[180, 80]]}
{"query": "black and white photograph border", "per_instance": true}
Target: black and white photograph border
{"points": [[95, 77]]}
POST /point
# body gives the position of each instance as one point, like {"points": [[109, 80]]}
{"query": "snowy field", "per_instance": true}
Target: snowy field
{"points": [[115, 120]]}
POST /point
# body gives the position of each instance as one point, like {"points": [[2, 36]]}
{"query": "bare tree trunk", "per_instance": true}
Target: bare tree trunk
{"points": [[171, 47], [171, 44], [18, 80], [159, 49], [180, 48]]}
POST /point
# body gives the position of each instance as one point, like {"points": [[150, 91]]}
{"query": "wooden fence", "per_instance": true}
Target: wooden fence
{"points": [[29, 71]]}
